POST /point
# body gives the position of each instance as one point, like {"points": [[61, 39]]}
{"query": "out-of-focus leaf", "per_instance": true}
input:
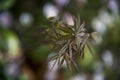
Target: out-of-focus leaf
{"points": [[5, 4], [95, 36], [88, 58]]}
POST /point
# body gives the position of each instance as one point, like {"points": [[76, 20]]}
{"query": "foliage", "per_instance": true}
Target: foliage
{"points": [[69, 41]]}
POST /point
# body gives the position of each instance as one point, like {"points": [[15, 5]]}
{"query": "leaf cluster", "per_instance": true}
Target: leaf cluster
{"points": [[69, 41]]}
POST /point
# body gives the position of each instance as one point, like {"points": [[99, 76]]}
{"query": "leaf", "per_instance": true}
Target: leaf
{"points": [[52, 19], [68, 62], [53, 58], [78, 20], [61, 62], [75, 48], [90, 49], [61, 41], [82, 53], [62, 50], [66, 30], [95, 36], [76, 25], [56, 33], [70, 50], [85, 40], [75, 65], [53, 65], [81, 28]]}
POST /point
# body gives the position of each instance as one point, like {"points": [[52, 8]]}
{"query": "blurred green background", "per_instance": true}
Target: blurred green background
{"points": [[24, 51]]}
